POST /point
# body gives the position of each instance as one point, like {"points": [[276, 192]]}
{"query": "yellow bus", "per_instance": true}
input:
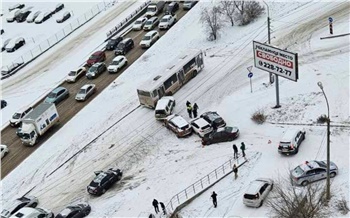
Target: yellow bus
{"points": [[179, 71]]}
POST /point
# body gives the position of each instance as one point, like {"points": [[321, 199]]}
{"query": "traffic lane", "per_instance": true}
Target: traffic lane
{"points": [[69, 107]]}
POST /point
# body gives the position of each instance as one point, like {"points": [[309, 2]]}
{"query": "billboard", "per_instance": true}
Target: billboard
{"points": [[275, 60]]}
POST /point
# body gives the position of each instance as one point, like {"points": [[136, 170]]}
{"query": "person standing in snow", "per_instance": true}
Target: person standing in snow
{"points": [[163, 207], [235, 151], [243, 149], [235, 170], [155, 205], [195, 109], [213, 196], [189, 109]]}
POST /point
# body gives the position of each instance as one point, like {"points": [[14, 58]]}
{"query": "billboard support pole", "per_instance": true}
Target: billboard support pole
{"points": [[277, 93]]}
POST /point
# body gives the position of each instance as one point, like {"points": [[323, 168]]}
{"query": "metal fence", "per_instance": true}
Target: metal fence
{"points": [[116, 28], [54, 39]]}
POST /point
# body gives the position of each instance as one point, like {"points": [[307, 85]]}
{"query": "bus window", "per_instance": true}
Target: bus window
{"points": [[154, 93], [144, 93], [189, 65], [169, 82]]}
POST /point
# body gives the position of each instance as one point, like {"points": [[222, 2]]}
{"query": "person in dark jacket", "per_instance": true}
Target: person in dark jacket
{"points": [[213, 196], [235, 151], [155, 205], [163, 207], [235, 170], [188, 103], [189, 109], [243, 149], [195, 109]]}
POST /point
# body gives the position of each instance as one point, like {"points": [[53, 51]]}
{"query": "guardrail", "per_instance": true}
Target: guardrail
{"points": [[20, 62]]}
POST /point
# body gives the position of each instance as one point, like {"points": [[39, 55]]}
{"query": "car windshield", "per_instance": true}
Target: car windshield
{"points": [[93, 69], [52, 95], [251, 197], [228, 129], [162, 112], [298, 171], [121, 45], [138, 22], [188, 2], [94, 57], [185, 127], [24, 136], [16, 116], [164, 20], [146, 38], [82, 91], [151, 9], [115, 63], [72, 73], [112, 41], [149, 22]]}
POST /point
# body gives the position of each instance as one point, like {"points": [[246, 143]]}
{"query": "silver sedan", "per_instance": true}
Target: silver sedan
{"points": [[85, 92]]}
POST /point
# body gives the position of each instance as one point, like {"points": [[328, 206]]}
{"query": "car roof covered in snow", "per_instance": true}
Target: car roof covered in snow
{"points": [[178, 120], [163, 102], [254, 187], [200, 122], [289, 135]]}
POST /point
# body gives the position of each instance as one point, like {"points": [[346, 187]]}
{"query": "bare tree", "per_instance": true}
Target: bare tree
{"points": [[240, 6], [304, 202], [212, 20], [253, 10], [228, 9]]}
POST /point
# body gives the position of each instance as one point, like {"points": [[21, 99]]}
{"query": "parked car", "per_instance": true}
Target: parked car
{"points": [[223, 134], [97, 56], [104, 180], [167, 21], [3, 104], [201, 126], [291, 141], [75, 211], [214, 119], [139, 23], [257, 192], [4, 151], [75, 75], [124, 46], [311, 171], [57, 95], [16, 6], [17, 117], [164, 107], [117, 63], [4, 43], [21, 17], [172, 8], [57, 8], [7, 70], [32, 16], [151, 23], [42, 17], [187, 5], [27, 212], [149, 38], [113, 43], [63, 17], [96, 70], [12, 15], [15, 44], [85, 92], [14, 206], [178, 125]]}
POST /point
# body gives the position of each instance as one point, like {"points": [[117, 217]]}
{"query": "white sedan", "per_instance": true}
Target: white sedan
{"points": [[4, 150], [201, 126], [74, 75], [139, 23], [85, 92], [117, 63]]}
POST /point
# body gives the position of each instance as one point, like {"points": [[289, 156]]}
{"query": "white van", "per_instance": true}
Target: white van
{"points": [[257, 191], [165, 107], [17, 117], [291, 141]]}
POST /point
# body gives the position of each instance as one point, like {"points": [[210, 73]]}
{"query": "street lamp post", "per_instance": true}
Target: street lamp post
{"points": [[328, 144]]}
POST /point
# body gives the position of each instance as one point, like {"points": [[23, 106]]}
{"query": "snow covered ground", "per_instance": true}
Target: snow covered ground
{"points": [[158, 165], [35, 81]]}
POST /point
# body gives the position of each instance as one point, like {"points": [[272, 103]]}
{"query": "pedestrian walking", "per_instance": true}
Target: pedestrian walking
{"points": [[213, 196], [235, 151], [195, 109], [243, 149], [163, 207], [155, 205], [235, 170], [189, 109]]}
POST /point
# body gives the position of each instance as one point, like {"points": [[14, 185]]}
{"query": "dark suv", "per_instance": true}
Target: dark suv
{"points": [[124, 46], [112, 43], [214, 119], [96, 70], [98, 56], [104, 180]]}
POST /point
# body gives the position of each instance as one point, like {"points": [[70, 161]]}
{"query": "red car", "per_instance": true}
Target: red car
{"points": [[98, 56]]}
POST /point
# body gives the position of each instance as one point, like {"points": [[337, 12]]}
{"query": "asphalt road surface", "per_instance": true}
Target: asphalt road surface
{"points": [[69, 107]]}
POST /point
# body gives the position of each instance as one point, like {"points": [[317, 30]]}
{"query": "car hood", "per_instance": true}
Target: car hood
{"points": [[49, 100], [112, 67], [71, 77], [12, 120], [137, 25], [163, 23], [145, 42]]}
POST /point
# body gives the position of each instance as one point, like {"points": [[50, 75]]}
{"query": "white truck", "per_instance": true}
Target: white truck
{"points": [[37, 122], [154, 8]]}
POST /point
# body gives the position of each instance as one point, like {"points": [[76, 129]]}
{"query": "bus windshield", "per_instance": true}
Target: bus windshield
{"points": [[148, 94]]}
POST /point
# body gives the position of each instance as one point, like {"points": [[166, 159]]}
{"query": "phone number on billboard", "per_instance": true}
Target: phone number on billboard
{"points": [[275, 68]]}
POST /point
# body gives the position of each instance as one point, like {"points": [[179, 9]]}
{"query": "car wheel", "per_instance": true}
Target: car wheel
{"points": [[332, 174], [126, 63], [261, 203], [296, 150], [34, 204], [194, 74], [305, 183], [103, 191]]}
